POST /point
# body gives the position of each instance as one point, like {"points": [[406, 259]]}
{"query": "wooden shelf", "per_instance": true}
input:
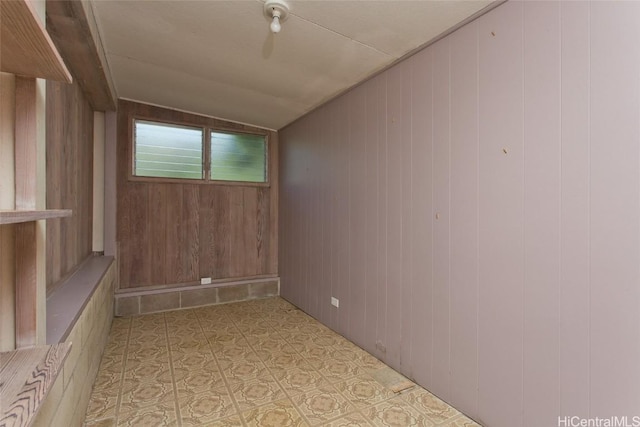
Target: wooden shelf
{"points": [[26, 48], [26, 376], [15, 217]]}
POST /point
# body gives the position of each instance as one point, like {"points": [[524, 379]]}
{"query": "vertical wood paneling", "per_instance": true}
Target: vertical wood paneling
{"points": [[406, 147], [237, 244], [371, 191], [69, 159], [157, 248], [519, 303], [542, 212], [394, 216], [342, 185], [501, 216], [26, 285], [250, 234], [383, 194], [615, 294], [191, 258], [357, 214], [441, 378], [327, 144], [175, 233], [140, 273], [574, 279], [422, 206], [464, 219]]}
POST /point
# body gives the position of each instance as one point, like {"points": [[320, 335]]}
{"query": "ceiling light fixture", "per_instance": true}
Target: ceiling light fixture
{"points": [[277, 11]]}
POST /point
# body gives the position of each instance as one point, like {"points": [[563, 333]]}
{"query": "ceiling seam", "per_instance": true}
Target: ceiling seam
{"points": [[345, 36]]}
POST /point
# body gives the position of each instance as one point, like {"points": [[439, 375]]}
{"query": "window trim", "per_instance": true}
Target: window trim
{"points": [[206, 152]]}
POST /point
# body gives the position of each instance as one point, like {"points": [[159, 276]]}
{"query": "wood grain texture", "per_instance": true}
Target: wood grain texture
{"points": [[27, 49], [14, 217], [173, 233], [26, 284], [69, 154], [25, 143], [26, 376], [69, 23]]}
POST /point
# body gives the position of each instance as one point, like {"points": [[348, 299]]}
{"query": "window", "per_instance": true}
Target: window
{"points": [[238, 157], [163, 150]]}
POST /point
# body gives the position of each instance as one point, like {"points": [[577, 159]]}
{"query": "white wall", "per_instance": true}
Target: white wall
{"points": [[476, 209]]}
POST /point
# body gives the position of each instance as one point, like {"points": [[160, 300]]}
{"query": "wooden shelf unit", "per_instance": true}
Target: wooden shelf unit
{"points": [[26, 376], [26, 48], [20, 216]]}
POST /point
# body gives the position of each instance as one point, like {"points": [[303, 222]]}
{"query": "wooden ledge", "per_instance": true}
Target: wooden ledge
{"points": [[26, 376], [15, 217], [26, 48]]}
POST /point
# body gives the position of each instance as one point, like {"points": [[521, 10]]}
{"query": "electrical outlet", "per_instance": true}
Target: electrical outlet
{"points": [[205, 281], [335, 302]]}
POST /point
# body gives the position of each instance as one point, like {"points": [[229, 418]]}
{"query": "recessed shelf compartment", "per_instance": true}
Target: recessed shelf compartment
{"points": [[16, 217]]}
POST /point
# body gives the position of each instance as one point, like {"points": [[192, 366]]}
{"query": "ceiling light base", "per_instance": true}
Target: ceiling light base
{"points": [[276, 11]]}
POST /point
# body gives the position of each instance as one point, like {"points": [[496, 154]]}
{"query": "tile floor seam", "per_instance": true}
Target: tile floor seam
{"points": [[176, 404], [124, 369], [224, 378]]}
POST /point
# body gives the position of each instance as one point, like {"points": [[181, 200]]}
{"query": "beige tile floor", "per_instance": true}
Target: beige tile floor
{"points": [[255, 363]]}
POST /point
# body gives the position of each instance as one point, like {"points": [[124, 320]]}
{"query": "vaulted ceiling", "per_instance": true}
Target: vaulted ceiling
{"points": [[220, 59]]}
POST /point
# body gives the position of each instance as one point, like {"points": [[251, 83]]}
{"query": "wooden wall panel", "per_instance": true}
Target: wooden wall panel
{"points": [[176, 233], [519, 303], [464, 218], [614, 208], [422, 210], [574, 293], [542, 212], [393, 226], [69, 156], [372, 200], [440, 378], [357, 239]]}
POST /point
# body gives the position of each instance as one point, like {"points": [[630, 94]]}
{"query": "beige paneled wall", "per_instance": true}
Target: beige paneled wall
{"points": [[475, 210]]}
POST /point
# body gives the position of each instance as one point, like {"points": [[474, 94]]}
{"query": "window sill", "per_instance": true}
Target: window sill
{"points": [[197, 182]]}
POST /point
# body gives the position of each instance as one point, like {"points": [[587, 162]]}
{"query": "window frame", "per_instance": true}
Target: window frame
{"points": [[206, 153]]}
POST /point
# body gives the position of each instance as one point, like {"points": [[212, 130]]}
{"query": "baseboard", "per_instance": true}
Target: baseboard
{"points": [[167, 299]]}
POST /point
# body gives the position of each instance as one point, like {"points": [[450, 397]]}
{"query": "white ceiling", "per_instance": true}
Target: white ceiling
{"points": [[218, 58]]}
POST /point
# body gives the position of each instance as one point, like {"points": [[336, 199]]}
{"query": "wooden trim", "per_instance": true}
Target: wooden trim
{"points": [[26, 284], [26, 377], [159, 180], [16, 217], [154, 290], [196, 285], [26, 49], [74, 31]]}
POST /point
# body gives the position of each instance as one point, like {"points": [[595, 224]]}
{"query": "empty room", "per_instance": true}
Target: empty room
{"points": [[319, 213]]}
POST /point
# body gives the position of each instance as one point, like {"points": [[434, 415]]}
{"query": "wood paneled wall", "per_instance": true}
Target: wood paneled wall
{"points": [[175, 233], [475, 209], [69, 178]]}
